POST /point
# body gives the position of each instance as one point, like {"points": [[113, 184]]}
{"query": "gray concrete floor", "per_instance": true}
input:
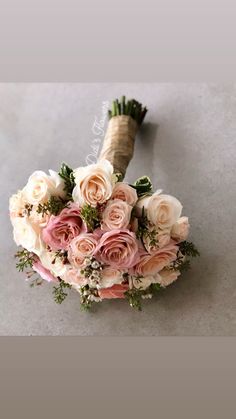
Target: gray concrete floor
{"points": [[187, 147]]}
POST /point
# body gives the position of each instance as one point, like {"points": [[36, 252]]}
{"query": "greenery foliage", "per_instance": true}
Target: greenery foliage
{"points": [[144, 231], [66, 173], [188, 249], [25, 260], [59, 292], [53, 206], [90, 215]]}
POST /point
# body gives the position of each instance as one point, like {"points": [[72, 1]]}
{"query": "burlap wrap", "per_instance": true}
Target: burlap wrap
{"points": [[118, 145]]}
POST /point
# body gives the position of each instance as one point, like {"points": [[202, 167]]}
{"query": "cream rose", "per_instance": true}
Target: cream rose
{"points": [[110, 276], [125, 192], [53, 263], [143, 283], [116, 215], [40, 187], [17, 204], [167, 276], [162, 210], [26, 235], [94, 183], [180, 229]]}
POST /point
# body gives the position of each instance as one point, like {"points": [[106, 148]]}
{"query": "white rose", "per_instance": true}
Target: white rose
{"points": [[17, 204], [162, 210], [26, 235], [180, 229], [110, 276], [94, 183], [144, 282], [40, 187], [52, 263]]}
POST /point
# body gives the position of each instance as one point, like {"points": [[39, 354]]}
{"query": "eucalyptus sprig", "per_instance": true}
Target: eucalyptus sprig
{"points": [[25, 259], [130, 107]]}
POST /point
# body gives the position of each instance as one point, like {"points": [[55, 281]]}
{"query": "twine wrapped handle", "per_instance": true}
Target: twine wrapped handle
{"points": [[118, 145]]}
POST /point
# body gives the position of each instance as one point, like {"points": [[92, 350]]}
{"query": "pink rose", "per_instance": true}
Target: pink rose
{"points": [[167, 276], [118, 248], [62, 229], [151, 264], [180, 229], [43, 272], [125, 192], [116, 291], [116, 215], [81, 246], [73, 277]]}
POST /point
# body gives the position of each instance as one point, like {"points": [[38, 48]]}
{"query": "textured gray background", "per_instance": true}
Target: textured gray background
{"points": [[187, 147]]}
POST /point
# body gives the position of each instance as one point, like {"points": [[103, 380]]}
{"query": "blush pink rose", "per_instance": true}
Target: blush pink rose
{"points": [[162, 239], [43, 272], [118, 249], [73, 277], [62, 229], [116, 291], [180, 229], [151, 264], [80, 247], [125, 192], [116, 215]]}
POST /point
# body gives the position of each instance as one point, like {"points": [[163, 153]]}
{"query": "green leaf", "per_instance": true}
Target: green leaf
{"points": [[155, 288], [143, 186]]}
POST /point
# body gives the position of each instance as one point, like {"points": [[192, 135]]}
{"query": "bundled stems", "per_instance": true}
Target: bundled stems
{"points": [[131, 108], [125, 118]]}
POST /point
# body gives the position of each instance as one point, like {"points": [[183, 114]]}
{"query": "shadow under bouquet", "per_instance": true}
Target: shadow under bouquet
{"points": [[88, 230]]}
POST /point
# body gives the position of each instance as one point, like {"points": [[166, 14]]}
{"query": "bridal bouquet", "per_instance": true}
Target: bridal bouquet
{"points": [[87, 229]]}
